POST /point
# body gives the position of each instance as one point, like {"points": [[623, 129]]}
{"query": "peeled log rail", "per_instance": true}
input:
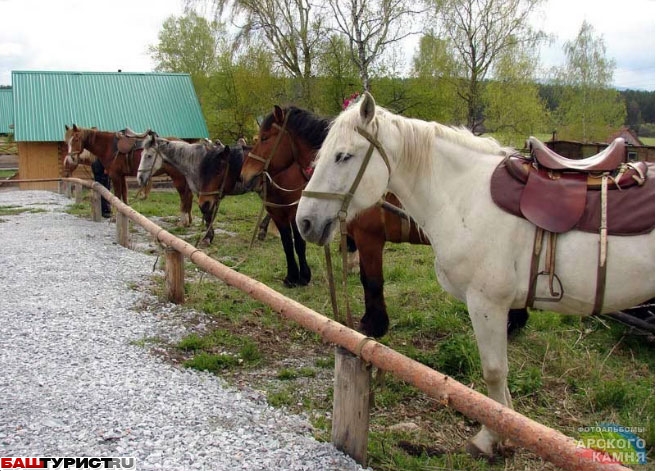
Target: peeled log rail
{"points": [[545, 442]]}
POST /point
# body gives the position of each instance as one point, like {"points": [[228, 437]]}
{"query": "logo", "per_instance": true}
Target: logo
{"points": [[612, 443], [68, 463]]}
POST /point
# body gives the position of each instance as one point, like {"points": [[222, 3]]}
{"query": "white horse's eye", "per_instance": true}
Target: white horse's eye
{"points": [[342, 157]]}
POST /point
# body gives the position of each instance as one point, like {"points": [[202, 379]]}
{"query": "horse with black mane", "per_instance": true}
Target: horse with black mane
{"points": [[288, 141]]}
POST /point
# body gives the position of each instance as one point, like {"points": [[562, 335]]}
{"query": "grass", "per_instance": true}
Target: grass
{"points": [[565, 372], [12, 210]]}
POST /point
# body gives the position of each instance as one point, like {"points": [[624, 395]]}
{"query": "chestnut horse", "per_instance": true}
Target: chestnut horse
{"points": [[287, 145], [118, 165]]}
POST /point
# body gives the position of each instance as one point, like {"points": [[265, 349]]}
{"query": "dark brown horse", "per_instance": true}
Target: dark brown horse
{"points": [[287, 144], [219, 176], [120, 162]]}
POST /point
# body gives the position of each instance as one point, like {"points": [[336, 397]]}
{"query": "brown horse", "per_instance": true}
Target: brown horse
{"points": [[120, 161], [288, 142]]}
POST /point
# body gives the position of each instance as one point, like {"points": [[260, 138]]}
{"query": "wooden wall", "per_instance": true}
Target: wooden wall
{"points": [[39, 160], [578, 150]]}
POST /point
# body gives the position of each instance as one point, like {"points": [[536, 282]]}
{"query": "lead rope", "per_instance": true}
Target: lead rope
{"points": [[346, 200]]}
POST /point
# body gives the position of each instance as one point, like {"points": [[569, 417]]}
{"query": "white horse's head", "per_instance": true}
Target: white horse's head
{"points": [[351, 173], [151, 158]]}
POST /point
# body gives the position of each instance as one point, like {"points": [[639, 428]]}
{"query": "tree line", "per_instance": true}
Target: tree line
{"points": [[476, 65]]}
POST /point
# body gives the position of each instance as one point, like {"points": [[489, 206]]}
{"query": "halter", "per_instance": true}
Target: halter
{"points": [[346, 197], [158, 153], [266, 162], [77, 137], [346, 200]]}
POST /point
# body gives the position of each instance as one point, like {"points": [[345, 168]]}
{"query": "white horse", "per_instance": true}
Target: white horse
{"points": [[442, 175]]}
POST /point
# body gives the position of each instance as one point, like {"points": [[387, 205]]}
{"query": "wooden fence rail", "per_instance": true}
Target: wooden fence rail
{"points": [[545, 442]]}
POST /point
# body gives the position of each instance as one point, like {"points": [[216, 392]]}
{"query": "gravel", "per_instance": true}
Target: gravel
{"points": [[76, 376]]}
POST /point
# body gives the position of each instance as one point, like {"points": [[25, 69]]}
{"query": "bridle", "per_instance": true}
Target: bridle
{"points": [[269, 179], [158, 155], [346, 198], [78, 139]]}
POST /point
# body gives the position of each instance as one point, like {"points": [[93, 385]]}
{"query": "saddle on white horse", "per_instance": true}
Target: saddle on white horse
{"points": [[601, 194]]}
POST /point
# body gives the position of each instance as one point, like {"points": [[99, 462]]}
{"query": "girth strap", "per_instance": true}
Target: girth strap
{"points": [[550, 263]]}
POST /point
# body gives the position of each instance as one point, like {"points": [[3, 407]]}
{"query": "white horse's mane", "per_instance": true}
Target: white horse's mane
{"points": [[419, 136]]}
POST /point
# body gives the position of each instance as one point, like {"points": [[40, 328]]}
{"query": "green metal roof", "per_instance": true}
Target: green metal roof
{"points": [[6, 110], [44, 102]]}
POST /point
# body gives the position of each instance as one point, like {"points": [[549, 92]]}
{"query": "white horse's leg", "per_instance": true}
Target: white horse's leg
{"points": [[489, 321]]}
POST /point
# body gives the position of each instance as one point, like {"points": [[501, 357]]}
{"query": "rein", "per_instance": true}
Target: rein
{"points": [[346, 200]]}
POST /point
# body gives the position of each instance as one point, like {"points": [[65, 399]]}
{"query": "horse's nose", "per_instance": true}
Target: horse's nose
{"points": [[247, 183], [305, 226]]}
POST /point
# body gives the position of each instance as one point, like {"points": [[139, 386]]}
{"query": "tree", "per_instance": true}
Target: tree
{"points": [[187, 44], [241, 90], [291, 29], [434, 91], [480, 32], [337, 74], [370, 27], [590, 107], [513, 108]]}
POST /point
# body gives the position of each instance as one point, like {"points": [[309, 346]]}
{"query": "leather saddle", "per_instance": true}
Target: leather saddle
{"points": [[126, 142], [559, 194]]}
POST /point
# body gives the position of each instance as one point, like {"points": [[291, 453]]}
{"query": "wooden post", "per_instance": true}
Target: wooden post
{"points": [[78, 191], [174, 276], [96, 209], [350, 428], [122, 228]]}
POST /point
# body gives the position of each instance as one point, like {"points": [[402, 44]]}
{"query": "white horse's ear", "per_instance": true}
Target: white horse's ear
{"points": [[367, 108]]}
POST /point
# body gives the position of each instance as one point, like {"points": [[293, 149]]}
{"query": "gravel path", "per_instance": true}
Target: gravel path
{"points": [[76, 380]]}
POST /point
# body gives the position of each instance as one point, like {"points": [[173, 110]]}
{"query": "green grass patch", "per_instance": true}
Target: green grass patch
{"points": [[212, 363], [12, 210]]}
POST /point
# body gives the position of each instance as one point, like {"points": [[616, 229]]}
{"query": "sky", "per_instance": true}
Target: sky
{"points": [[108, 35]]}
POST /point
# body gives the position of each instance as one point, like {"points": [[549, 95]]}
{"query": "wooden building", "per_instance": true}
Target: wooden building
{"points": [[579, 150], [45, 102]]}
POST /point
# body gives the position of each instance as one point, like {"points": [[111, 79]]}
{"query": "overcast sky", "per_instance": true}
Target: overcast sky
{"points": [[107, 35]]}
